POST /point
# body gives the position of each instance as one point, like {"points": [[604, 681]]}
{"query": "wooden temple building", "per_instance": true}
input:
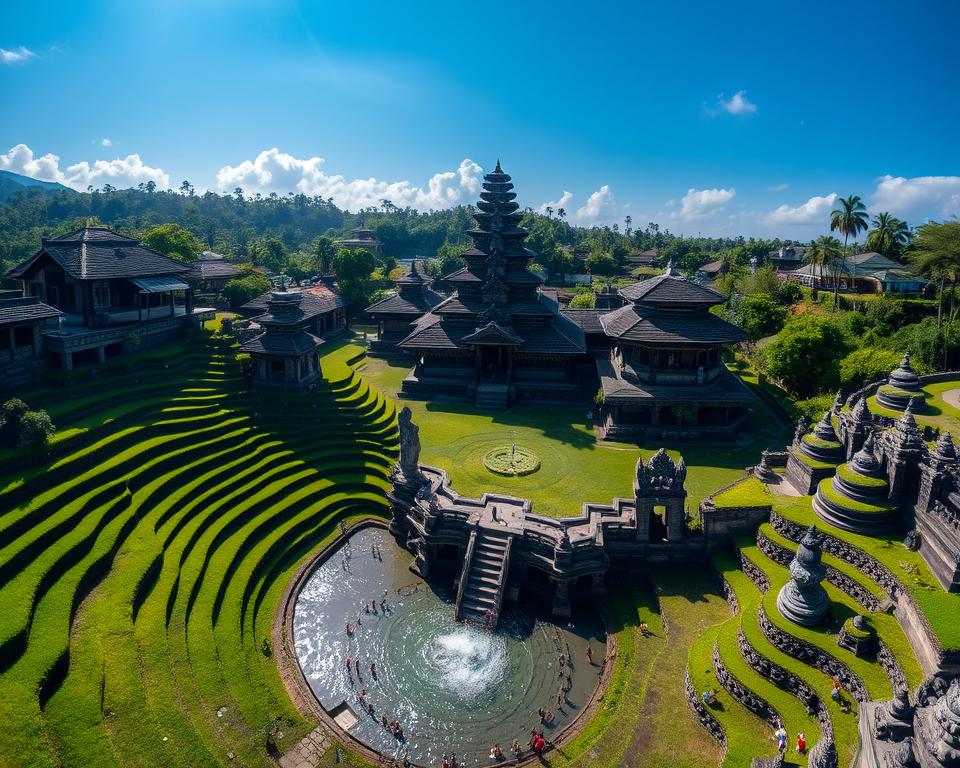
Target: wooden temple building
{"points": [[395, 313], [500, 339], [497, 339], [663, 372], [362, 238]]}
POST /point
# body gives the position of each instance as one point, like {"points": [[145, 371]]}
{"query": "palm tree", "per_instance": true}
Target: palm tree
{"points": [[824, 250], [889, 234], [850, 219], [936, 255], [561, 213], [549, 211]]}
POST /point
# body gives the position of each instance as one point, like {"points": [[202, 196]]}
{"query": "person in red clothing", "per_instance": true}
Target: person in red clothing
{"points": [[801, 743]]}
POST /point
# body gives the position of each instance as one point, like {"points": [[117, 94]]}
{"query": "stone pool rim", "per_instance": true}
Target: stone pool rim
{"points": [[306, 702]]}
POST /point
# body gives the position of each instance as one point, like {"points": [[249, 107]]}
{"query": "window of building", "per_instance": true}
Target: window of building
{"points": [[101, 294]]}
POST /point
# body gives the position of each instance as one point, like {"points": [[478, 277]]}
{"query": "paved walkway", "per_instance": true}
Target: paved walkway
{"points": [[308, 751]]}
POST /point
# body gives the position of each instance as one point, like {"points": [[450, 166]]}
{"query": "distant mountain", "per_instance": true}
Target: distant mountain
{"points": [[11, 183]]}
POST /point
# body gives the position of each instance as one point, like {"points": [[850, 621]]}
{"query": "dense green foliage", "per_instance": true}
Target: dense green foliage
{"points": [[22, 427], [804, 356], [240, 290], [172, 240], [354, 269], [759, 315]]}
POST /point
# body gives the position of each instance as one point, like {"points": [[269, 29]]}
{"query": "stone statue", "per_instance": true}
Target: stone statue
{"points": [[409, 446], [800, 430]]}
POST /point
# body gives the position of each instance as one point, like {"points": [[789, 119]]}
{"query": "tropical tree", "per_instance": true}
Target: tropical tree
{"points": [[850, 218], [824, 250], [174, 241], [936, 255], [889, 235], [561, 213]]}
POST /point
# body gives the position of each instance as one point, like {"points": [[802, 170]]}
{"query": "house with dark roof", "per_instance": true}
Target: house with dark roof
{"points": [[362, 238], [112, 293], [395, 314], [211, 272], [23, 319], [662, 371], [787, 257]]}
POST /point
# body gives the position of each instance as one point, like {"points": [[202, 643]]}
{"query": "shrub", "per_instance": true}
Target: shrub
{"points": [[865, 365], [759, 315], [23, 428], [805, 356], [583, 301], [790, 292], [243, 289], [813, 408]]}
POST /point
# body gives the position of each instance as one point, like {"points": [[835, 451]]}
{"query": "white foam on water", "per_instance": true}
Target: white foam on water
{"points": [[466, 661]]}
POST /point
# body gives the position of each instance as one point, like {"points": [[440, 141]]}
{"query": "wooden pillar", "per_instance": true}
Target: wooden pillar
{"points": [[173, 305], [140, 306], [13, 341], [66, 360], [37, 341], [188, 299], [101, 354]]}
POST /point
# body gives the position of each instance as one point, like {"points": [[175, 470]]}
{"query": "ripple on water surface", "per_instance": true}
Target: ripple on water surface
{"points": [[453, 687]]}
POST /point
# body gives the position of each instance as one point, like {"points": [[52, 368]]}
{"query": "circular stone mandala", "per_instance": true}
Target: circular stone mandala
{"points": [[510, 460]]}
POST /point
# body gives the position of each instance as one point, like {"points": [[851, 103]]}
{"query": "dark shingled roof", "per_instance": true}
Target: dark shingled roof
{"points": [[22, 309], [493, 333], [282, 343], [212, 267], [411, 304], [310, 305], [95, 253], [626, 386], [537, 337], [631, 323], [671, 289], [588, 319]]}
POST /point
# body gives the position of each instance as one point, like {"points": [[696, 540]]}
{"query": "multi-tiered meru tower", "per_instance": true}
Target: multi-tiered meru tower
{"points": [[498, 339]]}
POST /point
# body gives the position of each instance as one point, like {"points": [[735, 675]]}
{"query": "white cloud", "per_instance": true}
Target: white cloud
{"points": [[105, 142], [815, 211], [699, 204], [563, 202], [738, 104], [918, 198], [276, 171], [121, 172], [598, 208], [16, 56], [778, 187]]}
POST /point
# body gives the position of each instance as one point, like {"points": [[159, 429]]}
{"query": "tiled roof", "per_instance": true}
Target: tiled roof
{"points": [[99, 254], [712, 267], [213, 268], [493, 333], [560, 337], [282, 343], [25, 308], [412, 304], [671, 289], [632, 324], [588, 319], [626, 386], [310, 305]]}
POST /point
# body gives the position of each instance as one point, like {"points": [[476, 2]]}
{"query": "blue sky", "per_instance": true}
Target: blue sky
{"points": [[702, 116]]}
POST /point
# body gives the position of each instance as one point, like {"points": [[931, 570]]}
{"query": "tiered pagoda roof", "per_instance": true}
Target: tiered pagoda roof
{"points": [[497, 286], [414, 296]]}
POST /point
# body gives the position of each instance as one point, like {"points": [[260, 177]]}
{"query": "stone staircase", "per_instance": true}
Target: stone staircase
{"points": [[484, 576], [492, 396]]}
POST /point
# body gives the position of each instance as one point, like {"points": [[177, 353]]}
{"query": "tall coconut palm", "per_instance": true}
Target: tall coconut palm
{"points": [[936, 255], [824, 250], [850, 219], [889, 234]]}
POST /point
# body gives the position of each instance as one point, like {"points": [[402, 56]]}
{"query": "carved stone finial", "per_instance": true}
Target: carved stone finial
{"points": [[861, 412], [661, 473], [803, 599], [800, 430], [945, 449], [907, 432]]}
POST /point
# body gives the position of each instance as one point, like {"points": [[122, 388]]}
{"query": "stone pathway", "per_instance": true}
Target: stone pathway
{"points": [[308, 751]]}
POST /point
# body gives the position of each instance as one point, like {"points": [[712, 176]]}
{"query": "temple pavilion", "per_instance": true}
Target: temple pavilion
{"points": [[497, 339], [395, 313], [664, 372]]}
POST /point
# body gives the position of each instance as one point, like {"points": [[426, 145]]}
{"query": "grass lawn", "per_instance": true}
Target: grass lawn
{"points": [[575, 467], [936, 413]]}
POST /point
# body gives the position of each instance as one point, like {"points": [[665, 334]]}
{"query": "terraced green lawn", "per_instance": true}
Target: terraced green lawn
{"points": [[937, 412], [575, 467], [142, 564]]}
